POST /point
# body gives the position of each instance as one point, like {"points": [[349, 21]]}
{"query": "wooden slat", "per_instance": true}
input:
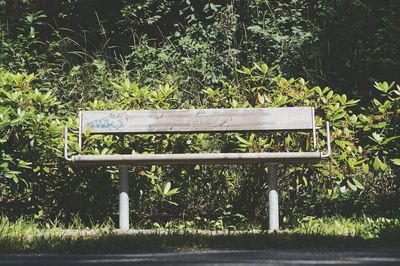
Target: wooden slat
{"points": [[198, 120], [200, 158]]}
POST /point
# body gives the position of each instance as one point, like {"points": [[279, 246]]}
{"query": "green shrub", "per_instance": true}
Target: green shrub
{"points": [[37, 177], [30, 142]]}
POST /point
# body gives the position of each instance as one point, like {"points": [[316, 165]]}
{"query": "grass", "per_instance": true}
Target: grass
{"points": [[28, 236]]}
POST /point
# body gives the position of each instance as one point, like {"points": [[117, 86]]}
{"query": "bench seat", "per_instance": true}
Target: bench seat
{"points": [[197, 158]]}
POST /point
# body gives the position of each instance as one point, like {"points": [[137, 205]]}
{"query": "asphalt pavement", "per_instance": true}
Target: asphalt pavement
{"points": [[344, 256]]}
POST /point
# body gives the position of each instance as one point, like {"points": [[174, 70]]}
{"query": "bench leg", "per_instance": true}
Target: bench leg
{"points": [[273, 198], [123, 198]]}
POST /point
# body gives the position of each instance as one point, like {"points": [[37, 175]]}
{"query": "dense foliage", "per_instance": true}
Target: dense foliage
{"points": [[58, 58], [37, 180], [342, 44]]}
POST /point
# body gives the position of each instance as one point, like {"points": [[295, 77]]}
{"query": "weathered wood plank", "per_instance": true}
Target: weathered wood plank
{"points": [[199, 158], [198, 120]]}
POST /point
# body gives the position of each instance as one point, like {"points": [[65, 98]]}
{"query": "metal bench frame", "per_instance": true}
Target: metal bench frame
{"points": [[198, 121]]}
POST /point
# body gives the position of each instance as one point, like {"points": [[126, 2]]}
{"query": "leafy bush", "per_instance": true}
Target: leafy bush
{"points": [[37, 178], [31, 148], [30, 140]]}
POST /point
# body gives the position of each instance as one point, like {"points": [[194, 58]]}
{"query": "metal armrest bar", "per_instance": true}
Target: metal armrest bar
{"points": [[66, 144]]}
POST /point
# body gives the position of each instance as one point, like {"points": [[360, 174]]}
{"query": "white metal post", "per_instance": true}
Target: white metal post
{"points": [[123, 198], [273, 198]]}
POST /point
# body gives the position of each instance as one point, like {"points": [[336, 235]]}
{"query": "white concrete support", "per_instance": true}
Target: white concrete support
{"points": [[123, 198], [273, 198]]}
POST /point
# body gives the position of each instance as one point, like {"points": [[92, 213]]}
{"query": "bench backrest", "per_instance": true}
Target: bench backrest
{"points": [[197, 120]]}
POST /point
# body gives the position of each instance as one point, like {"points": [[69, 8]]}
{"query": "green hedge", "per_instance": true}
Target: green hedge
{"points": [[360, 176]]}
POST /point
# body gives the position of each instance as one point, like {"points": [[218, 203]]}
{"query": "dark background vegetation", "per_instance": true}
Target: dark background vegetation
{"points": [[343, 44], [85, 52]]}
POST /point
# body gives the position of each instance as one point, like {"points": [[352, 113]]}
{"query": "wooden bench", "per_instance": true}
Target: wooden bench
{"points": [[198, 121]]}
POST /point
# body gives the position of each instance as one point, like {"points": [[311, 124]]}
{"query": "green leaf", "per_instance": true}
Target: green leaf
{"points": [[24, 164], [172, 192], [351, 185], [343, 99], [383, 166], [104, 151], [87, 132], [117, 86], [305, 181], [352, 102], [159, 189], [396, 161], [358, 184], [365, 168], [151, 176], [264, 68], [338, 116], [242, 140], [167, 187], [386, 141], [376, 163], [377, 103], [245, 70], [157, 225], [377, 137], [383, 86]]}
